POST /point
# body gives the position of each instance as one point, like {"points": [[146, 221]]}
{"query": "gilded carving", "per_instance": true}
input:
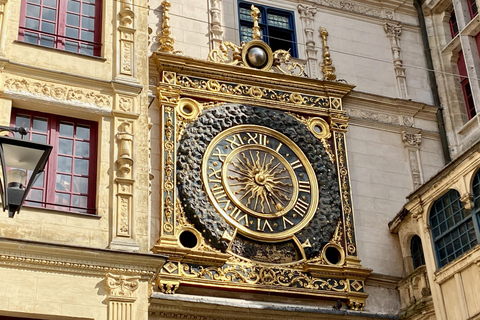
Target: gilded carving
{"points": [[282, 61], [165, 36], [327, 68], [57, 92], [345, 192], [121, 285], [258, 92], [168, 287], [254, 274]]}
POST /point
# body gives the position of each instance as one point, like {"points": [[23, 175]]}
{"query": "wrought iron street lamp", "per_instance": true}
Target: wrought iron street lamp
{"points": [[19, 159]]}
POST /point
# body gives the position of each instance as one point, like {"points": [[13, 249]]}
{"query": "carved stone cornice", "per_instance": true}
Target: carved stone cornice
{"points": [[59, 258], [355, 7]]}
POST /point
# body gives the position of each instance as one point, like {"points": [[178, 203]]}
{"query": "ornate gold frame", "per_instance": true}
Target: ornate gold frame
{"points": [[186, 82]]}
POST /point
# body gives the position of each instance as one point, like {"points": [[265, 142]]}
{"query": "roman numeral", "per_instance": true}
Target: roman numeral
{"points": [[235, 213], [301, 207], [215, 173], [279, 146], [257, 138], [296, 164], [285, 221], [303, 186], [233, 141], [221, 156], [219, 193]]}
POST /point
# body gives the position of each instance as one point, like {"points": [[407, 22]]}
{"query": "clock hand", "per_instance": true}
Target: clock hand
{"points": [[278, 206]]}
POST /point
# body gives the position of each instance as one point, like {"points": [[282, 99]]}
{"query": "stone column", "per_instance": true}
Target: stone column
{"points": [[393, 32], [307, 14], [121, 296], [3, 13], [412, 143]]}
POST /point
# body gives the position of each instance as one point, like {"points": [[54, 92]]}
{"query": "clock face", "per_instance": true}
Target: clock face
{"points": [[260, 182]]}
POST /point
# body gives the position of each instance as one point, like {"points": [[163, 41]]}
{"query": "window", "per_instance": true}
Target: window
{"points": [[69, 180], [417, 252], [453, 228], [465, 83], [277, 27], [472, 8], [70, 25], [453, 24]]}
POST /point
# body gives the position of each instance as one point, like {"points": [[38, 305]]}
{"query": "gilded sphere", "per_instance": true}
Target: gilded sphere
{"points": [[257, 57]]}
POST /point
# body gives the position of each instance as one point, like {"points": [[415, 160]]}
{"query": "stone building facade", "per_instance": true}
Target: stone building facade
{"points": [[153, 109]]}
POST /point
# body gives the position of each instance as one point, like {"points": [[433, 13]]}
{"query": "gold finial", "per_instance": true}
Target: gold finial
{"points": [[166, 39], [327, 68], [255, 13]]}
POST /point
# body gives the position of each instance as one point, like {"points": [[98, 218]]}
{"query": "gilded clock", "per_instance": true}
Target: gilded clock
{"points": [[255, 181]]}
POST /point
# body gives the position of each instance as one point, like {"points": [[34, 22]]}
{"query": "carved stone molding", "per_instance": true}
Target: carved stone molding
{"points": [[307, 14], [124, 141], [411, 139], [467, 200], [63, 93], [216, 30], [2, 26], [121, 285], [373, 116], [393, 32], [354, 7]]}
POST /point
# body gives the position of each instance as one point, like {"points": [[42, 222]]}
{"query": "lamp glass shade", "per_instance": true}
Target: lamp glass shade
{"points": [[17, 178], [21, 157]]}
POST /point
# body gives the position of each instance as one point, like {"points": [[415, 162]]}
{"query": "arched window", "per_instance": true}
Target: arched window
{"points": [[453, 229], [417, 252]]}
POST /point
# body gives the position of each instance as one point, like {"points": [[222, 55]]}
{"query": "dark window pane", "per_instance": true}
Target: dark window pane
{"points": [[50, 3], [46, 41], [31, 23], [80, 185], [88, 10], [40, 124], [65, 146], [72, 33], [39, 182], [86, 49], [64, 164], [33, 11], [48, 14], [73, 6], [87, 35], [48, 27], [79, 201], [83, 132], [66, 129], [278, 21], [63, 182], [39, 138], [22, 121], [71, 46], [82, 149], [73, 20], [81, 166], [31, 38], [88, 23], [34, 1]]}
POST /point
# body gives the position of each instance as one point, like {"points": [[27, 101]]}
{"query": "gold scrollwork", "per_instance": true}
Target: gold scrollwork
{"points": [[345, 192], [187, 111], [227, 52], [282, 61], [236, 90], [254, 274]]}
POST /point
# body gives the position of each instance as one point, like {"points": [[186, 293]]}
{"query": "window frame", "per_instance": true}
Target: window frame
{"points": [[267, 29], [453, 197], [60, 28], [416, 252], [49, 186], [466, 88], [453, 24], [472, 8]]}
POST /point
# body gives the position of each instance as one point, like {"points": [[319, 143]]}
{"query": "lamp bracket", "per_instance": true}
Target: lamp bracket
{"points": [[23, 132]]}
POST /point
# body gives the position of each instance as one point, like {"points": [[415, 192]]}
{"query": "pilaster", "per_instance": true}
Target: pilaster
{"points": [[3, 18], [393, 32], [121, 296], [216, 30], [126, 67], [412, 142], [307, 14]]}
